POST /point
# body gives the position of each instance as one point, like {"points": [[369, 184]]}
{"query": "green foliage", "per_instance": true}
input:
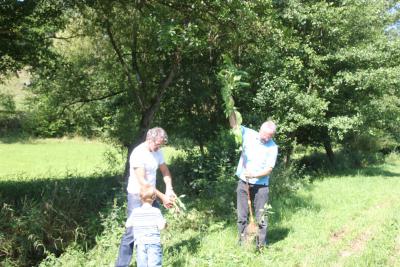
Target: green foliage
{"points": [[321, 72], [10, 120], [202, 172], [118, 81], [230, 78], [286, 180], [7, 102], [43, 216], [236, 132], [26, 31]]}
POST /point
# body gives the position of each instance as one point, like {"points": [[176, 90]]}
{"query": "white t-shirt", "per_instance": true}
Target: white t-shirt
{"points": [[141, 157]]}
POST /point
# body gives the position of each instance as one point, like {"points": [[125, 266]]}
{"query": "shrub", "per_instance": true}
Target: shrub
{"points": [[199, 172], [45, 216], [286, 179], [213, 175]]}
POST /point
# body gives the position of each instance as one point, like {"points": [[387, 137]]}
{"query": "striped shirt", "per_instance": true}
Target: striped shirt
{"points": [[147, 222]]}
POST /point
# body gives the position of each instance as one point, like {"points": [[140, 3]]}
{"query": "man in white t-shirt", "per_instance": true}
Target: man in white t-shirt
{"points": [[144, 161]]}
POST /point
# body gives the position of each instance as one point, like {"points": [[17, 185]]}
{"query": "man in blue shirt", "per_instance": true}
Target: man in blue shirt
{"points": [[258, 158]]}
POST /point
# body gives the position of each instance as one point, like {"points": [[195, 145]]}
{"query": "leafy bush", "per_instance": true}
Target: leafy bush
{"points": [[10, 123], [286, 179], [197, 173], [7, 102], [44, 216], [212, 176], [10, 120]]}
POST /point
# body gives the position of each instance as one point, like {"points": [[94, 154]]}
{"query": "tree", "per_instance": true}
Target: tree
{"points": [[130, 56], [26, 31], [322, 63]]}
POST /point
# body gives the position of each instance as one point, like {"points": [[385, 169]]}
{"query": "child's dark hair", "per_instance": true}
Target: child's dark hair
{"points": [[147, 193]]}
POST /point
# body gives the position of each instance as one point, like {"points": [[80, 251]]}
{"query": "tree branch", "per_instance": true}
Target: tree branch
{"points": [[122, 61], [135, 65], [167, 81], [64, 37], [88, 100]]}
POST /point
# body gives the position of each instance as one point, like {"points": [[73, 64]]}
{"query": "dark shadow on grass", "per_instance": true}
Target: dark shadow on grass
{"points": [[370, 171], [374, 171], [347, 163], [53, 213], [16, 138], [276, 234], [192, 244]]}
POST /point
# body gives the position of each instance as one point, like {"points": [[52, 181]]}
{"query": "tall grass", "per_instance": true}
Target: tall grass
{"points": [[349, 219]]}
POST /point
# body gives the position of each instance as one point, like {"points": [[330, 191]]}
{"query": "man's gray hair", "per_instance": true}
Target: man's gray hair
{"points": [[269, 125], [157, 133]]}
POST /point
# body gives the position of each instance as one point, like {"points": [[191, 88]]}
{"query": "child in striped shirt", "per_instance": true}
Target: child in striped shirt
{"points": [[147, 221]]}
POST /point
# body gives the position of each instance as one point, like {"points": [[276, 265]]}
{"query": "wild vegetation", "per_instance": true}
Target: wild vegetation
{"points": [[76, 218], [325, 71]]}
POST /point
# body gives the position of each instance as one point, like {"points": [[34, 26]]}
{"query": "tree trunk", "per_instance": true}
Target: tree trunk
{"points": [[288, 155], [144, 126], [153, 105], [329, 150], [149, 113], [201, 146]]}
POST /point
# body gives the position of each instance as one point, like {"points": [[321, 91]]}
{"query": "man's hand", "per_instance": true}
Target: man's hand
{"points": [[167, 201], [248, 174], [169, 192]]}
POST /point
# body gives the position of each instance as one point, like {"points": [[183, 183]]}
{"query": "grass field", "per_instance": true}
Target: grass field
{"points": [[351, 220], [52, 157], [342, 221], [347, 220]]}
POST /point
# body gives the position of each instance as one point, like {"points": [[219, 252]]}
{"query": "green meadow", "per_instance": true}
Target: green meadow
{"points": [[61, 207], [52, 157]]}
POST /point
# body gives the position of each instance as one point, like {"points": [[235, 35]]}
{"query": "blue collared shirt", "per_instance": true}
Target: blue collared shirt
{"points": [[256, 156]]}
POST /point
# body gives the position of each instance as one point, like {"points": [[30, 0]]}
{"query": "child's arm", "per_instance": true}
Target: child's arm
{"points": [[161, 223], [131, 219], [164, 226], [129, 222]]}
